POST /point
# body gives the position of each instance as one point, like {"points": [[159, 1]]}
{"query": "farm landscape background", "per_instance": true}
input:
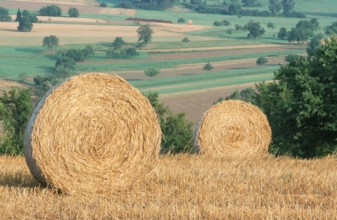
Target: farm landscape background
{"points": [[182, 83], [183, 186]]}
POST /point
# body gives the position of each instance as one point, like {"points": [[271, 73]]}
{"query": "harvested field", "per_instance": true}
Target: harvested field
{"points": [[187, 187], [75, 33]]}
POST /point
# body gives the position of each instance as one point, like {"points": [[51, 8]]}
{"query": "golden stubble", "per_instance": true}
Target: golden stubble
{"points": [[187, 187]]}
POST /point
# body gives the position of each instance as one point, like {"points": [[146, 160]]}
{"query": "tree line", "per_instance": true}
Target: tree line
{"points": [[27, 19]]}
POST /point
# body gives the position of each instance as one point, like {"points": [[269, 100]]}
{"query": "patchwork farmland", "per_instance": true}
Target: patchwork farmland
{"points": [[181, 79]]}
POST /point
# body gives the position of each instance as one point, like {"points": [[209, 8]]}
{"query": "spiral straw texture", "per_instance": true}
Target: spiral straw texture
{"points": [[92, 133], [232, 127]]}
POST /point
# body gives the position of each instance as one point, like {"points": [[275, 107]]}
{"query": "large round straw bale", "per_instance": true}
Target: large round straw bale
{"points": [[232, 127], [92, 133]]}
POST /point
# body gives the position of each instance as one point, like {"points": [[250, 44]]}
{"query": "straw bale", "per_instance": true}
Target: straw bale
{"points": [[232, 127], [92, 133]]}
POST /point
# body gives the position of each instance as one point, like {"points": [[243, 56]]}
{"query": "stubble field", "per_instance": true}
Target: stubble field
{"points": [[187, 187]]}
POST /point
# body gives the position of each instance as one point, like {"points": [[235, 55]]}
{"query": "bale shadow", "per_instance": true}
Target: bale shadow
{"points": [[19, 180]]}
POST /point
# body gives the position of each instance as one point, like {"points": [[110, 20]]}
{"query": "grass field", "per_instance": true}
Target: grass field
{"points": [[193, 188]]}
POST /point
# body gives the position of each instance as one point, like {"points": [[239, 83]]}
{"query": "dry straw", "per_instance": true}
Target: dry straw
{"points": [[232, 127], [92, 133]]}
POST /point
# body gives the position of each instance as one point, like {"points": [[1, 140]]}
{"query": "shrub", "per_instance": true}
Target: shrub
{"points": [[271, 25], [177, 130], [103, 5], [181, 21], [125, 4], [73, 12], [208, 67], [185, 40], [79, 55], [261, 61], [151, 72]]}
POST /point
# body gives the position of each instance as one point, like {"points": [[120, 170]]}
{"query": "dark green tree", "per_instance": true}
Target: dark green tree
{"points": [[25, 25], [44, 83], [247, 95], [270, 25], [275, 6], [207, 66], [27, 15], [282, 34], [312, 25], [73, 12], [51, 42], [64, 67], [51, 10], [217, 23], [4, 16], [118, 43], [250, 3], [291, 58], [301, 104], [288, 6], [130, 52], [177, 130], [181, 21], [331, 29], [261, 61], [151, 72], [314, 43], [144, 34], [255, 29], [234, 8], [18, 15], [185, 40], [15, 108], [300, 35]]}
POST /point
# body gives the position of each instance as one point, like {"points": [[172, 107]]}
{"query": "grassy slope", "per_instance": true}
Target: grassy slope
{"points": [[194, 188]]}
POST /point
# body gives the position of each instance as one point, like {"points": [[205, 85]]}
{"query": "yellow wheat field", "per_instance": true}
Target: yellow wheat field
{"points": [[187, 187]]}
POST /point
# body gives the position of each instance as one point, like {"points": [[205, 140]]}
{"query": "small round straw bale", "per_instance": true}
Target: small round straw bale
{"points": [[232, 127], [92, 133]]}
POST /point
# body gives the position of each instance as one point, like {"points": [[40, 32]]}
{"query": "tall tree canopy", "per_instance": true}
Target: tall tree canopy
{"points": [[144, 34], [275, 6], [301, 103], [51, 42], [288, 6], [4, 16]]}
